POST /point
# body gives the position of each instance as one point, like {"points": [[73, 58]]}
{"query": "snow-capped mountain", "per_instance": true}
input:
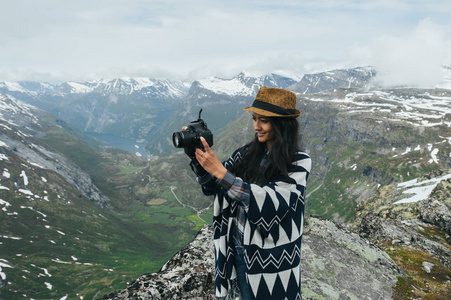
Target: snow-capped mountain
{"points": [[138, 108], [149, 110], [158, 88], [244, 84], [120, 108], [359, 77]]}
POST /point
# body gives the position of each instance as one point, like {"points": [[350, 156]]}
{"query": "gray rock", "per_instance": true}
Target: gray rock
{"points": [[427, 266], [187, 275], [436, 209], [336, 264]]}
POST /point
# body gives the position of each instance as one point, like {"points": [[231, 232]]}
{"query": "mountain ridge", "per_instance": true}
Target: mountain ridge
{"points": [[173, 89], [359, 77], [101, 106]]}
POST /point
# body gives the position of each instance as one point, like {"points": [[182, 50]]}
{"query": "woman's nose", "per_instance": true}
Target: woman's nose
{"points": [[257, 125]]}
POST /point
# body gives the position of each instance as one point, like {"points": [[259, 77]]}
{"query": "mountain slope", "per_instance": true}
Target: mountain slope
{"points": [[21, 142], [411, 222], [76, 227], [362, 140]]}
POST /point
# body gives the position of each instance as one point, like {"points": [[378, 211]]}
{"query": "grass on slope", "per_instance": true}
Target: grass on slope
{"points": [[70, 246]]}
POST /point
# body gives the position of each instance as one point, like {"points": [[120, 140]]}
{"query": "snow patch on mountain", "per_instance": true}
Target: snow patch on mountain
{"points": [[425, 109], [3, 264], [446, 83], [419, 190], [231, 87], [430, 148], [9, 107], [244, 84], [79, 88], [12, 86]]}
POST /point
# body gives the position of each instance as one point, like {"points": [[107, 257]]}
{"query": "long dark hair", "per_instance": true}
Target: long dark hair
{"points": [[286, 135]]}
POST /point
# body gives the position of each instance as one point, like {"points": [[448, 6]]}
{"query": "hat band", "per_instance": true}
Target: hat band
{"points": [[273, 108]]}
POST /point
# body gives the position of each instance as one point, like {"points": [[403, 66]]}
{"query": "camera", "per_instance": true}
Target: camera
{"points": [[189, 139]]}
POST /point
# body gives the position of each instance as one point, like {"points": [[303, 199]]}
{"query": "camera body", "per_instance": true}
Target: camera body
{"points": [[189, 139]]}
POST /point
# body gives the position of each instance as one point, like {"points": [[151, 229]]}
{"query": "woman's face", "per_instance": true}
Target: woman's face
{"points": [[264, 130]]}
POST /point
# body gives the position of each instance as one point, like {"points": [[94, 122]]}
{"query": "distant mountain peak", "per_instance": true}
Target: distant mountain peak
{"points": [[244, 84], [165, 88], [358, 77]]}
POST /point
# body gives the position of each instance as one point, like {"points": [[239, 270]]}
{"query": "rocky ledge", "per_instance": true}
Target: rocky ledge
{"points": [[187, 275], [337, 264]]}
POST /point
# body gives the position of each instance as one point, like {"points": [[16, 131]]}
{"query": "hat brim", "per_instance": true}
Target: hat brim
{"points": [[266, 113]]}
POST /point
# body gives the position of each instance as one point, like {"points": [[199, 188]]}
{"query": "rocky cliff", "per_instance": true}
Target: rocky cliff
{"points": [[337, 264]]}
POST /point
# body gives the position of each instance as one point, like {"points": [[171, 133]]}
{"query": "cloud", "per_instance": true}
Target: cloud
{"points": [[85, 39], [415, 58], [105, 37]]}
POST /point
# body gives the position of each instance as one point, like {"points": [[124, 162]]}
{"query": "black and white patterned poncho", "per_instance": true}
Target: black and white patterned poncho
{"points": [[272, 232]]}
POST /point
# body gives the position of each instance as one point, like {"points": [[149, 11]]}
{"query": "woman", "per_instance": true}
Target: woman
{"points": [[259, 204]]}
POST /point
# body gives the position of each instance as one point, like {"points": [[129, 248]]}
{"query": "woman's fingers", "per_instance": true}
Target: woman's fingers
{"points": [[209, 161], [204, 142], [199, 154]]}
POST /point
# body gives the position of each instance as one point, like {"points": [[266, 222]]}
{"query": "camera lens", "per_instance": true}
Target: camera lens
{"points": [[177, 140]]}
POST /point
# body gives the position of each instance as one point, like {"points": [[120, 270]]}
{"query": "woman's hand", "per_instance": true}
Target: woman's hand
{"points": [[209, 161]]}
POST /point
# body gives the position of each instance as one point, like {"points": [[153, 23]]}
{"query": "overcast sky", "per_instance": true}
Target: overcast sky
{"points": [[56, 40]]}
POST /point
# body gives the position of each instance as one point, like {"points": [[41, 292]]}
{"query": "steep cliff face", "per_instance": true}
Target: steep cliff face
{"points": [[20, 124], [336, 264]]}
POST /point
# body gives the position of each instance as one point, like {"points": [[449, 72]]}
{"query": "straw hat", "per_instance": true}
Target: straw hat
{"points": [[274, 102]]}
